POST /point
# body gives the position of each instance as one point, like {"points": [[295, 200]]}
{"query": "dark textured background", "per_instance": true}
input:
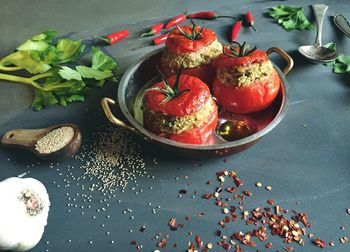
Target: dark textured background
{"points": [[305, 159]]}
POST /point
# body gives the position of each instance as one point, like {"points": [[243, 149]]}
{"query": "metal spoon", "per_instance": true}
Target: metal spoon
{"points": [[317, 52], [343, 24], [27, 139]]}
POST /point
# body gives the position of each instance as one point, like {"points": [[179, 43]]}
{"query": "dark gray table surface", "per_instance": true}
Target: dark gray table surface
{"points": [[305, 158]]}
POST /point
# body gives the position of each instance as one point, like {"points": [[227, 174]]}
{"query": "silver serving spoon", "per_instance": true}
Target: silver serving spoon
{"points": [[317, 52]]}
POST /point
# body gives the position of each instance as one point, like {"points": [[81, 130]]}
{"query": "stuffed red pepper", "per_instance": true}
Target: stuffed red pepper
{"points": [[194, 48], [246, 80], [180, 108]]}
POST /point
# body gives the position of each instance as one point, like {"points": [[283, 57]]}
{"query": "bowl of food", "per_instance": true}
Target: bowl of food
{"points": [[184, 114]]}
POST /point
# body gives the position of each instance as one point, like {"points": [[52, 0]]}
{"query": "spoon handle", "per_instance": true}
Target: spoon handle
{"points": [[24, 138], [341, 22], [319, 12]]}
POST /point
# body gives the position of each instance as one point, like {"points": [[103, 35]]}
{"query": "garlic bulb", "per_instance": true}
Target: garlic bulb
{"points": [[23, 213]]}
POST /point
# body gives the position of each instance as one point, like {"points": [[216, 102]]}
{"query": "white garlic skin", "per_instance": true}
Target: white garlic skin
{"points": [[18, 230]]}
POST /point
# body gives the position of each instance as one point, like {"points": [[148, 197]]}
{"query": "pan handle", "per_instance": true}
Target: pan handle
{"points": [[285, 56], [105, 106]]}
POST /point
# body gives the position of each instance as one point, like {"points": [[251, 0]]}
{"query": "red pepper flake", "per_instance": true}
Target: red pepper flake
{"points": [[209, 182], [199, 241], [172, 222], [319, 243], [304, 219], [248, 193], [133, 242], [288, 248], [271, 202], [331, 243], [207, 196], [238, 248], [225, 245], [268, 245], [237, 181], [181, 225], [183, 191], [231, 189]]}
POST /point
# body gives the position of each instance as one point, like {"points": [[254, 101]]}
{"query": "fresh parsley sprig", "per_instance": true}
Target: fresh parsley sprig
{"points": [[290, 17]]}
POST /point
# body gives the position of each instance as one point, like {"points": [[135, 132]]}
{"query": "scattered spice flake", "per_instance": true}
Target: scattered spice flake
{"points": [[199, 241], [319, 243], [225, 245], [238, 248], [142, 229], [162, 243], [271, 202], [258, 184], [231, 189], [288, 248], [348, 211], [238, 182], [172, 222], [209, 182], [269, 188], [304, 219], [344, 239], [268, 245], [248, 193], [133, 242], [209, 246], [183, 191], [331, 243], [207, 196]]}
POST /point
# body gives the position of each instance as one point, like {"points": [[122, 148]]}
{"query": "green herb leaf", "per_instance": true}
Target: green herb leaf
{"points": [[27, 60], [69, 74], [90, 73], [38, 42], [290, 17], [331, 45], [43, 99], [101, 61], [69, 50], [341, 64]]}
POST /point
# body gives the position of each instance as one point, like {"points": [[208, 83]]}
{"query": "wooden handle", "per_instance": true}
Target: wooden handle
{"points": [[22, 137]]}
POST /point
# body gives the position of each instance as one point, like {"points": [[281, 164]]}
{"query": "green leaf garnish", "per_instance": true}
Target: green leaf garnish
{"points": [[290, 17], [238, 50], [69, 50], [194, 35], [341, 64], [170, 92]]}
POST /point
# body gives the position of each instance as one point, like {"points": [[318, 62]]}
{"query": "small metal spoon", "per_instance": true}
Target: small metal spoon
{"points": [[317, 52], [27, 139]]}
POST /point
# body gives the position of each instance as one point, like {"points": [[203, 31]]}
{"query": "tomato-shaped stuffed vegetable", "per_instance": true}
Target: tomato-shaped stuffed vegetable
{"points": [[180, 108], [193, 48], [246, 80]]}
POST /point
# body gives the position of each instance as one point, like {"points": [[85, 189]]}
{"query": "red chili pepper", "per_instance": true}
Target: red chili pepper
{"points": [[250, 19], [176, 20], [208, 15], [235, 30], [155, 29], [115, 37], [160, 39]]}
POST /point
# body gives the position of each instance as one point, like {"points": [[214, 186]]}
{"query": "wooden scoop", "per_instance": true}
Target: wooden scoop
{"points": [[27, 139]]}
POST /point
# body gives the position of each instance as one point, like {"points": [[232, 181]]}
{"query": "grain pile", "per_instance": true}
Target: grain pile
{"points": [[112, 160], [55, 140]]}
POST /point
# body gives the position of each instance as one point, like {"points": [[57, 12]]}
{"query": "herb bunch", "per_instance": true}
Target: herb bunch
{"points": [[54, 73]]}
